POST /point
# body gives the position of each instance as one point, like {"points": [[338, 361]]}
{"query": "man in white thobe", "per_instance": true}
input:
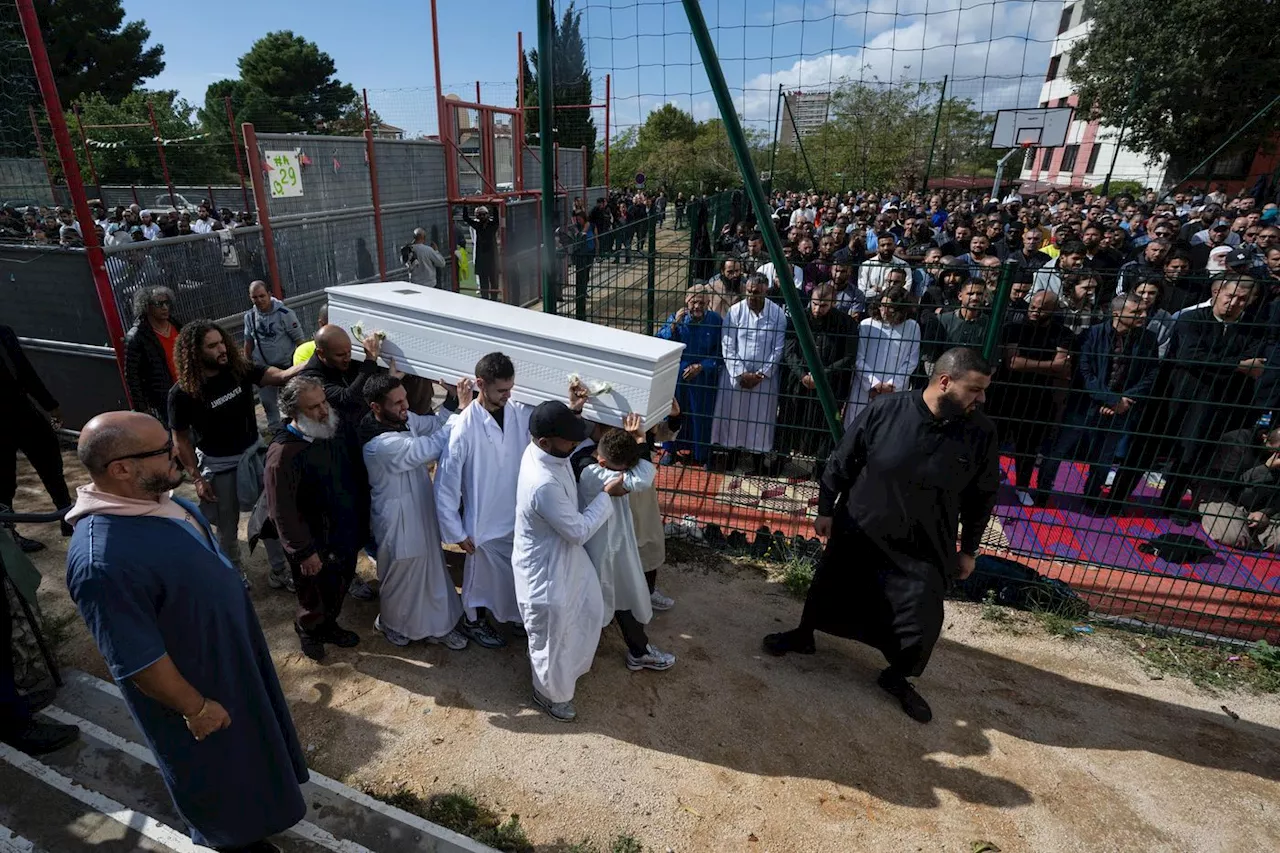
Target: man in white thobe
{"points": [[476, 496], [746, 412], [556, 583], [418, 600]]}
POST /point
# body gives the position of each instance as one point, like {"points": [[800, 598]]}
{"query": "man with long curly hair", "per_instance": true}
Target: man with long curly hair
{"points": [[211, 410]]}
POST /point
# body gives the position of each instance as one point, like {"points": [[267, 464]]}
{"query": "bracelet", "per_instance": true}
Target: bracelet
{"points": [[204, 706]]}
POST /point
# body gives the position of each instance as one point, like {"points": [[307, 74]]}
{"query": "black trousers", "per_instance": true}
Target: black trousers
{"points": [[487, 274], [321, 596], [14, 713], [632, 633], [24, 429]]}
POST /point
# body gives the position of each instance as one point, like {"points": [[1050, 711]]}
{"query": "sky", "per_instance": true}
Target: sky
{"points": [[995, 51]]}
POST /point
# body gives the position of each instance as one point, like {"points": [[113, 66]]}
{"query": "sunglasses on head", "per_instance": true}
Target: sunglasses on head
{"points": [[167, 450]]}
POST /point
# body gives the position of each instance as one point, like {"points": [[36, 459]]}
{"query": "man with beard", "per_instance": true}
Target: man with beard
{"points": [[476, 496], [849, 299], [700, 330], [215, 427], [835, 335], [872, 274], [180, 638], [911, 468], [310, 490], [725, 287], [1037, 360], [418, 598]]}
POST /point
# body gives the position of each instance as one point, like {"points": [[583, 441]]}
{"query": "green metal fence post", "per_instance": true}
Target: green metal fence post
{"points": [[741, 153], [937, 123], [999, 307], [546, 149], [653, 271]]}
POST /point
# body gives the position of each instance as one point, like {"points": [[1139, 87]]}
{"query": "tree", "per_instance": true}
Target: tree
{"points": [[91, 49], [571, 84], [286, 85], [1181, 75], [128, 155]]}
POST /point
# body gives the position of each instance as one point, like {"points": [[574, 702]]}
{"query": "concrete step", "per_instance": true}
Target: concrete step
{"points": [[106, 790]]}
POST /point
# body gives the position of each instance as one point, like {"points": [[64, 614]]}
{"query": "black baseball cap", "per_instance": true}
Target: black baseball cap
{"points": [[1239, 257], [553, 419]]}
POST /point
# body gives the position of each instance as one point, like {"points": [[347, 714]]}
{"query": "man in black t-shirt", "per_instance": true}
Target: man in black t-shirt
{"points": [[215, 425]]}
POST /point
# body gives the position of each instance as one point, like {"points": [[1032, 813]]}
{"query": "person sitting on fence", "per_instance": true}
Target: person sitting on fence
{"points": [[700, 330], [1240, 496], [423, 260]]}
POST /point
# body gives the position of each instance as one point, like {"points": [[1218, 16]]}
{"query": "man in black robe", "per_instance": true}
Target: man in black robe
{"points": [[804, 427], [911, 469]]}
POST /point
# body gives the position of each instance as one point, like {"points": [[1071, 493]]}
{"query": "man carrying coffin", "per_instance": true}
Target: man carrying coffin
{"points": [[911, 469]]}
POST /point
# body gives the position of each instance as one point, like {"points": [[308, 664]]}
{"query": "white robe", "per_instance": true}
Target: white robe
{"points": [[417, 597], [556, 585], [750, 342], [885, 354], [476, 497], [614, 551]]}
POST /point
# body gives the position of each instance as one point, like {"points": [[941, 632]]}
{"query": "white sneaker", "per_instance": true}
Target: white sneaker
{"points": [[1024, 498], [653, 658], [660, 601], [562, 711], [395, 638], [452, 640]]}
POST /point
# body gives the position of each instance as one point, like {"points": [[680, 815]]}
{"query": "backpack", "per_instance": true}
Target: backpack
{"points": [[1012, 584]]}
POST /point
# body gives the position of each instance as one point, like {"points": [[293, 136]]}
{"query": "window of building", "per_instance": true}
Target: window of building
{"points": [[1064, 23], [1053, 68], [1069, 154], [1093, 158], [1046, 156]]}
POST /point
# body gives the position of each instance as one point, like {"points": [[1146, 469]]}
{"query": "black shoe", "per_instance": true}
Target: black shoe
{"points": [[39, 699], [28, 546], [911, 701], [713, 536], [42, 738], [312, 647], [65, 529], [797, 641], [340, 637]]}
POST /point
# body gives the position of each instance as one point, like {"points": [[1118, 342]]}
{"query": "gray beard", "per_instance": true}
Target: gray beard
{"points": [[316, 429]]}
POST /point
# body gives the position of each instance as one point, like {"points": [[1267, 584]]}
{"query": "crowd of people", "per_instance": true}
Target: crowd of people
{"points": [[1134, 335], [118, 226]]}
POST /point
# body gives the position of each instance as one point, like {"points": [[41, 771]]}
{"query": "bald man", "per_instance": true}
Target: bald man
{"points": [[426, 262], [151, 583], [271, 332]]}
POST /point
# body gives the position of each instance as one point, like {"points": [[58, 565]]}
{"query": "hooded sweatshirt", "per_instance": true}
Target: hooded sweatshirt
{"points": [[90, 500], [274, 334]]}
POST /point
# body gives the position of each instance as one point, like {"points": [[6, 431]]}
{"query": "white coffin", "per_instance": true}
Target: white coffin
{"points": [[438, 334]]}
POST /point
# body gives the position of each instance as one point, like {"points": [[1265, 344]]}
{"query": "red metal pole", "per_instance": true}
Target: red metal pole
{"points": [[517, 129], [164, 164], [260, 199], [235, 146], [75, 184], [367, 124], [213, 202], [450, 158], [133, 188], [88, 153], [35, 127], [607, 99], [377, 203]]}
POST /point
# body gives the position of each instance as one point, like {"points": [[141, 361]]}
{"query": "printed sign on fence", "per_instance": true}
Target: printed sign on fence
{"points": [[284, 174]]}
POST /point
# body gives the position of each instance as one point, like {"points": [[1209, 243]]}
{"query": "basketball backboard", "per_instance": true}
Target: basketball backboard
{"points": [[1044, 128]]}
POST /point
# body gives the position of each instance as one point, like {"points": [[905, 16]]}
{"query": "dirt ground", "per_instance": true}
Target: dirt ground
{"points": [[1038, 744]]}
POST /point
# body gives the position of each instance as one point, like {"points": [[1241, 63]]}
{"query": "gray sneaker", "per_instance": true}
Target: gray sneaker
{"points": [[361, 591], [660, 601], [482, 632], [281, 580], [562, 711], [653, 658], [395, 638], [452, 640]]}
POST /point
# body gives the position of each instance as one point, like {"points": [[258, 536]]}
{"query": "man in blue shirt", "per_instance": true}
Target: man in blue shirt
{"points": [[179, 634]]}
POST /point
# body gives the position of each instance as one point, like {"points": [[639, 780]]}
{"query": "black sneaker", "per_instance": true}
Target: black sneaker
{"points": [[911, 701], [311, 646], [797, 641], [42, 738], [340, 637], [28, 546]]}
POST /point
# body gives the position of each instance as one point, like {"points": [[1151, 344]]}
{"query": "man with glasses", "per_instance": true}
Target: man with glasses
{"points": [[149, 368], [180, 637]]}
